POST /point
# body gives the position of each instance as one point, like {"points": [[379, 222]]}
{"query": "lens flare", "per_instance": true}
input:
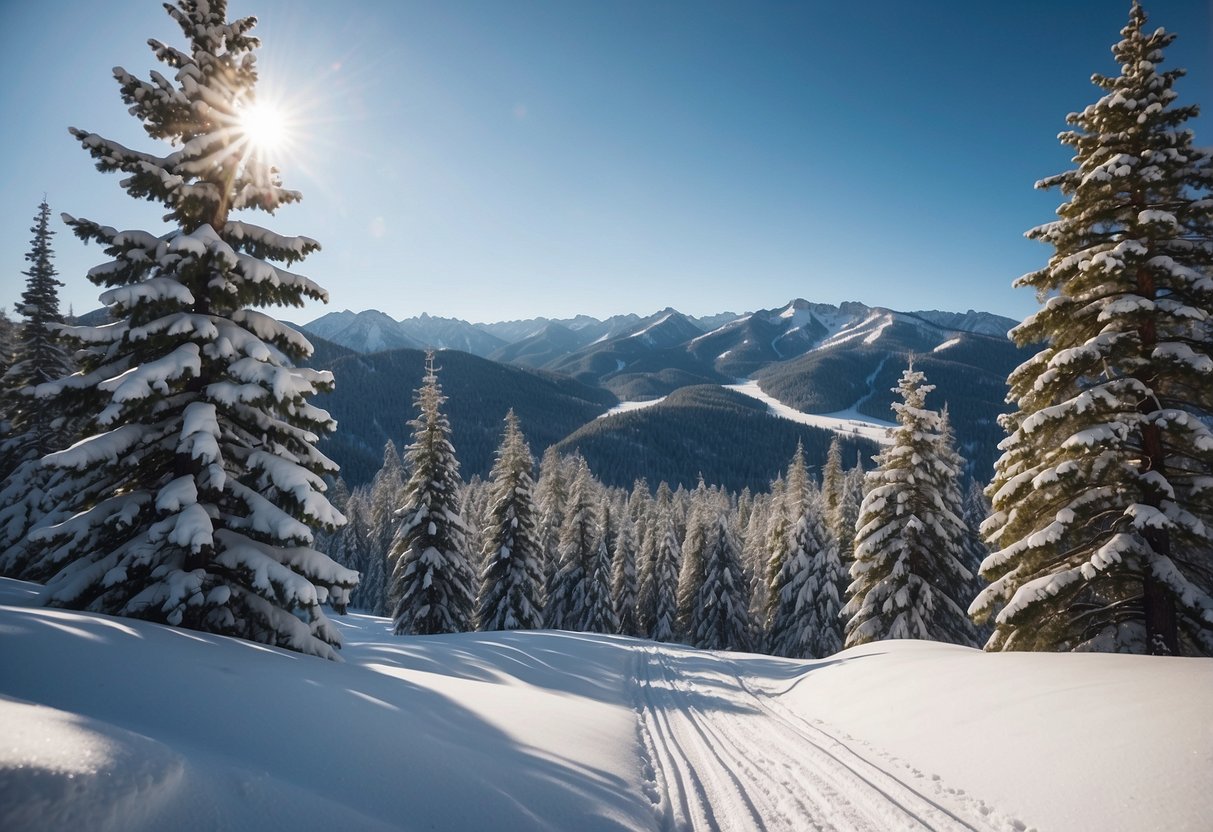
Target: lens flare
{"points": [[264, 127]]}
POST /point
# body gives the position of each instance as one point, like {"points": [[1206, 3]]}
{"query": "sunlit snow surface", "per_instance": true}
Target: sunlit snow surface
{"points": [[116, 724], [848, 422]]}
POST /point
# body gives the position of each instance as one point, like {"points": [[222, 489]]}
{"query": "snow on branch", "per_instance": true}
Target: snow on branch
{"points": [[102, 448]]}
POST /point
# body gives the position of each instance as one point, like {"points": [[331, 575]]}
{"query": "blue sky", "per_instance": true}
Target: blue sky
{"points": [[496, 160]]}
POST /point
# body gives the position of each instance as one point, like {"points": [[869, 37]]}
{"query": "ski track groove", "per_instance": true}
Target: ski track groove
{"points": [[729, 784], [708, 769], [678, 780]]}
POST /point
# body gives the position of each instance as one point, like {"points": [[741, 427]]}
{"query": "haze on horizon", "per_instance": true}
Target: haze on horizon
{"points": [[493, 161]]}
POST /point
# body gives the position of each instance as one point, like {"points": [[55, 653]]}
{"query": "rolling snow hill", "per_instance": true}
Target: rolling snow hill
{"points": [[117, 724]]}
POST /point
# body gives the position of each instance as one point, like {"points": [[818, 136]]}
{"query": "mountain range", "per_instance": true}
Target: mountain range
{"points": [[566, 377]]}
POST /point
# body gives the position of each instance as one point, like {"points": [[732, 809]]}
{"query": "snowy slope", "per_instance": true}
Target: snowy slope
{"points": [[848, 422], [118, 724]]}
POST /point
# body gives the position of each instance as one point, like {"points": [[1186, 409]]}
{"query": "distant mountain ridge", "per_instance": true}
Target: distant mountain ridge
{"points": [[748, 341], [840, 362], [837, 361]]}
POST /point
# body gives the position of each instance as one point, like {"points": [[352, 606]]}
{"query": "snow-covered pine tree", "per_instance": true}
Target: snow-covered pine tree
{"points": [[793, 502], [976, 510], [646, 562], [833, 484], [701, 521], [745, 504], [600, 614], [207, 477], [908, 578], [721, 618], [476, 500], [384, 495], [511, 581], [666, 554], [338, 494], [1103, 499], [355, 545], [639, 502], [805, 622], [568, 597], [624, 582], [347, 546], [551, 494], [973, 550], [31, 491], [8, 351], [754, 561], [39, 356], [432, 584], [848, 513]]}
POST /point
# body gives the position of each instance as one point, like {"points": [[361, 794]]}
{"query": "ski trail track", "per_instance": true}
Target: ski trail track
{"points": [[720, 756]]}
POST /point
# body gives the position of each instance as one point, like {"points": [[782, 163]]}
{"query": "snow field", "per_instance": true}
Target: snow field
{"points": [[125, 725], [848, 422]]}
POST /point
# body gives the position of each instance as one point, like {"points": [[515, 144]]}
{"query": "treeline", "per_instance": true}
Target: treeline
{"points": [[787, 570]]}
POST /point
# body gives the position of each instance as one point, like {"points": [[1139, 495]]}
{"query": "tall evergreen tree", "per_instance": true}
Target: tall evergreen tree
{"points": [[639, 503], [805, 622], [511, 582], [600, 614], [1102, 499], [30, 491], [848, 513], [387, 490], [551, 495], [351, 548], [662, 586], [754, 561], [833, 483], [958, 501], [701, 521], [721, 618], [206, 478], [908, 578], [384, 496], [624, 584], [39, 356], [432, 586], [476, 502], [646, 560], [568, 600], [8, 353], [794, 500], [976, 509]]}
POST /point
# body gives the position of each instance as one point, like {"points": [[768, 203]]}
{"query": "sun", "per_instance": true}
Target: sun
{"points": [[264, 127]]}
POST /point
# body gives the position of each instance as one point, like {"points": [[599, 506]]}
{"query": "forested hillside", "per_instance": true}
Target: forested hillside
{"points": [[726, 437], [373, 402]]}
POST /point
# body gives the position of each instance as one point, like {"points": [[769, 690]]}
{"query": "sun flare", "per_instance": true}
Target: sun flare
{"points": [[264, 127]]}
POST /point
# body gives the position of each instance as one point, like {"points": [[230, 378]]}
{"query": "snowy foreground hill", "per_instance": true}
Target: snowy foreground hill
{"points": [[116, 724]]}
